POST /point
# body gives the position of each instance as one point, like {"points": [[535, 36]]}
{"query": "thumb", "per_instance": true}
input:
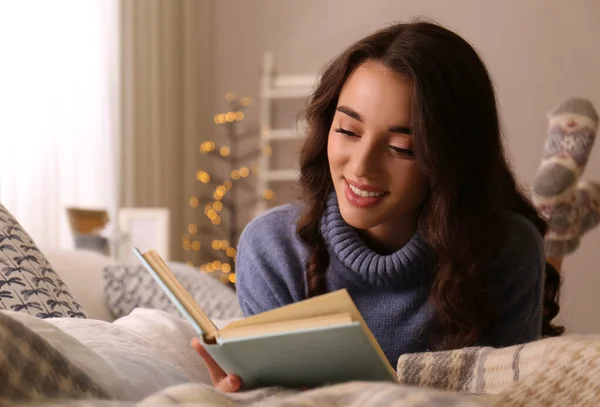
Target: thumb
{"points": [[216, 373]]}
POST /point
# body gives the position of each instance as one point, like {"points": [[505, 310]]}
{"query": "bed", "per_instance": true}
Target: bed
{"points": [[64, 341]]}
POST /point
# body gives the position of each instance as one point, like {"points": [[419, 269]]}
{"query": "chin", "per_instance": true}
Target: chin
{"points": [[358, 218]]}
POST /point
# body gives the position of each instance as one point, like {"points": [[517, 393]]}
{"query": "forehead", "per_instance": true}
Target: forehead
{"points": [[378, 93]]}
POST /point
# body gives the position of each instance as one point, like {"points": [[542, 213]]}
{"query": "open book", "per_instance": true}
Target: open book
{"points": [[318, 341]]}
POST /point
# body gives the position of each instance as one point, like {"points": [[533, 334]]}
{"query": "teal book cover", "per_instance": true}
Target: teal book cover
{"points": [[320, 341], [303, 358]]}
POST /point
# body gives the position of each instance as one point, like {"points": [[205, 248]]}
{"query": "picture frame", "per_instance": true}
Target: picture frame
{"points": [[144, 228]]}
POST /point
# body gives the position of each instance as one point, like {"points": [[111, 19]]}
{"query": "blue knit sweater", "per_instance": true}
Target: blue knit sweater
{"points": [[391, 291]]}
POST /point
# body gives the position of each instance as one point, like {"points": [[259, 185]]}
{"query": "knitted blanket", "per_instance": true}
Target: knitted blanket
{"points": [[562, 371], [551, 372]]}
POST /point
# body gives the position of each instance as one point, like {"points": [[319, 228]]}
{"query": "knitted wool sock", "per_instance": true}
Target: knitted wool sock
{"points": [[572, 130], [587, 217]]}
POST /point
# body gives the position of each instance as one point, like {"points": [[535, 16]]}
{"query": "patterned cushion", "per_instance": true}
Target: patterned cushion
{"points": [[32, 370], [27, 281], [131, 286]]}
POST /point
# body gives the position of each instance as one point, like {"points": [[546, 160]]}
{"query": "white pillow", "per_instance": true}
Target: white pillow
{"points": [[149, 349]]}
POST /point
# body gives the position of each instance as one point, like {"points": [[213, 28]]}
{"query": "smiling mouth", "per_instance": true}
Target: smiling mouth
{"points": [[365, 194], [362, 196]]}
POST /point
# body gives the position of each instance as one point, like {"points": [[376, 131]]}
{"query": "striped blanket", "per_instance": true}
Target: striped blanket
{"points": [[551, 372]]}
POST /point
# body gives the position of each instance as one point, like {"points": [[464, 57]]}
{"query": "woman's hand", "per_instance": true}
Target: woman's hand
{"points": [[227, 383]]}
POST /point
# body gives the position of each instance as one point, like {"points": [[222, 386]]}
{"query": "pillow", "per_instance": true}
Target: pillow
{"points": [[132, 357], [78, 354], [130, 286], [82, 271], [27, 281], [32, 370]]}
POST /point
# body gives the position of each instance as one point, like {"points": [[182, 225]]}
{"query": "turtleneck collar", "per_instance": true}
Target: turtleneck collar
{"points": [[407, 266]]}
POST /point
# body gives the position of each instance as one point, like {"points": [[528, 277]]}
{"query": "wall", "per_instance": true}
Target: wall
{"points": [[538, 52]]}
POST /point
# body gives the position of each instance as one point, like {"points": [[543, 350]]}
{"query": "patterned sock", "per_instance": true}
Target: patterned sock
{"points": [[572, 130]]}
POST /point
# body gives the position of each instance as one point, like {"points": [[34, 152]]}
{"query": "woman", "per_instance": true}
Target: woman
{"points": [[409, 203]]}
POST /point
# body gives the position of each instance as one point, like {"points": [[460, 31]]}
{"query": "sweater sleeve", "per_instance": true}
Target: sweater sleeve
{"points": [[269, 263], [519, 273]]}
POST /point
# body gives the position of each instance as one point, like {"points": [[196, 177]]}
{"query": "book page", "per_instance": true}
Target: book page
{"points": [[336, 302], [185, 299], [286, 326]]}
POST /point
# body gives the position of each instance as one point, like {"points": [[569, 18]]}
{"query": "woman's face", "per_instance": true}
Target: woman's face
{"points": [[370, 150]]}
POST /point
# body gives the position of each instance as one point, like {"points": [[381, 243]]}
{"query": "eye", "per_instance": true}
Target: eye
{"points": [[346, 132], [402, 151]]}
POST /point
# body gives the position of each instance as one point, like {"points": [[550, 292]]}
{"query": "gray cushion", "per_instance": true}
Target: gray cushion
{"points": [[28, 283], [130, 286]]}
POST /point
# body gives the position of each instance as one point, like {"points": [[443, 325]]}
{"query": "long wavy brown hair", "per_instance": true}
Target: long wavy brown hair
{"points": [[459, 146]]}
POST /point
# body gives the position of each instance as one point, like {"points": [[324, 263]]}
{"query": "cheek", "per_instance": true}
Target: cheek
{"points": [[334, 151], [412, 180]]}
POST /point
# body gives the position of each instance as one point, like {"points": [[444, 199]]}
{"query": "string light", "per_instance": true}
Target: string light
{"points": [[213, 209], [203, 176], [207, 146], [268, 194]]}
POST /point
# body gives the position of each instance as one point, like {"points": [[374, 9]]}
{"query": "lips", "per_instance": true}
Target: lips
{"points": [[362, 195]]}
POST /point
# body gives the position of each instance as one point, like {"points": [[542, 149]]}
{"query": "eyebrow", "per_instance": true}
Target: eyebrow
{"points": [[354, 114]]}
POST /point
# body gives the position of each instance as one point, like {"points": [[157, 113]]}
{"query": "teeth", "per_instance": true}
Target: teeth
{"points": [[364, 194]]}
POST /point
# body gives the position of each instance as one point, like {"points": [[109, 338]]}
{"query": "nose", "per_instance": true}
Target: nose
{"points": [[365, 160]]}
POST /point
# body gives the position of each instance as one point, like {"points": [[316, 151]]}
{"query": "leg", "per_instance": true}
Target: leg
{"points": [[572, 130]]}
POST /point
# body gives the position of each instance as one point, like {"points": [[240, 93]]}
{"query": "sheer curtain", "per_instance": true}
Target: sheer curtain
{"points": [[59, 108]]}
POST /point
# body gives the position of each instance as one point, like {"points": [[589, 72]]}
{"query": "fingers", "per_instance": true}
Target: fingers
{"points": [[230, 384], [221, 380]]}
